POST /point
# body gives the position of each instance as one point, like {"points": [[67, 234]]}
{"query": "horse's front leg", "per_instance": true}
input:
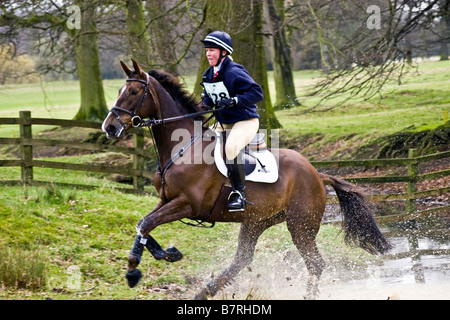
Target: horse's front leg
{"points": [[171, 211]]}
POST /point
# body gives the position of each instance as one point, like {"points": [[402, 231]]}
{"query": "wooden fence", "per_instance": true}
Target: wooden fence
{"points": [[411, 178], [27, 142], [139, 174]]}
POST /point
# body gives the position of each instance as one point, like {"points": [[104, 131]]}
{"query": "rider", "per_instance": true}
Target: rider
{"points": [[228, 86]]}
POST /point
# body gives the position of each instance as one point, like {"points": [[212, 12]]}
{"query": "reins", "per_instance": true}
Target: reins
{"points": [[137, 121]]}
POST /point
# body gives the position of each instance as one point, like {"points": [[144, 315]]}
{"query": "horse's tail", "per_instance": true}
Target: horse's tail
{"points": [[359, 225]]}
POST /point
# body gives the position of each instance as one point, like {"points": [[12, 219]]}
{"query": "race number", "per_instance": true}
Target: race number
{"points": [[216, 91]]}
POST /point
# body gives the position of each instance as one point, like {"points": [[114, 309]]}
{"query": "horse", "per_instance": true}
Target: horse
{"points": [[198, 191]]}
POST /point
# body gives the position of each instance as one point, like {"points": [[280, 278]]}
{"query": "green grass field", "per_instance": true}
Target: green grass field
{"points": [[62, 243], [61, 230], [57, 100], [420, 101]]}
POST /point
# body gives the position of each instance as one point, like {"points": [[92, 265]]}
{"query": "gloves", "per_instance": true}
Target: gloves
{"points": [[227, 103]]}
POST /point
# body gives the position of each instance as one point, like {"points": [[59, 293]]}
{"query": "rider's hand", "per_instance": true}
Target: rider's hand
{"points": [[227, 103]]}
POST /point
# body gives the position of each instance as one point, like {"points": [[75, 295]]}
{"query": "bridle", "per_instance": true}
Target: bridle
{"points": [[135, 118]]}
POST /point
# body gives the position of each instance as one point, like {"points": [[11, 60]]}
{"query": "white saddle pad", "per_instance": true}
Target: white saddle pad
{"points": [[266, 169]]}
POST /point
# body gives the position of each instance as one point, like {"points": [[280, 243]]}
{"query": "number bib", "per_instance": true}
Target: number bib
{"points": [[216, 91]]}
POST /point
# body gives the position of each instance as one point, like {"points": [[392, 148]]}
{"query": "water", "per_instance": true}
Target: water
{"points": [[418, 267]]}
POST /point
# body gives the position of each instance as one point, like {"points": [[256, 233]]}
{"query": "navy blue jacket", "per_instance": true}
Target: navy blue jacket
{"points": [[239, 84]]}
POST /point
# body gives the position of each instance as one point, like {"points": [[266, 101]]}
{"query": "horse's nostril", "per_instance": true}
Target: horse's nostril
{"points": [[111, 130]]}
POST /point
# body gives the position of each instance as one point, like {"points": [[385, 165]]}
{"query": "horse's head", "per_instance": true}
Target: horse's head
{"points": [[135, 100]]}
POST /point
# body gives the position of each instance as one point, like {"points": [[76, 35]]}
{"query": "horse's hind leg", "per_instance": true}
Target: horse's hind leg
{"points": [[248, 237], [304, 239]]}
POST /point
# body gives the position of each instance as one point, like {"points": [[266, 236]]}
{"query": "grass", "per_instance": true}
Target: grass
{"points": [[417, 104], [58, 100], [22, 269], [420, 101], [62, 243], [92, 231], [49, 232]]}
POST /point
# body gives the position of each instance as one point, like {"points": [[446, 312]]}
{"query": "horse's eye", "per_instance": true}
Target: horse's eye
{"points": [[134, 92]]}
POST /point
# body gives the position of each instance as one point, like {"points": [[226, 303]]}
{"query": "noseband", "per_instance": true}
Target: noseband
{"points": [[134, 116]]}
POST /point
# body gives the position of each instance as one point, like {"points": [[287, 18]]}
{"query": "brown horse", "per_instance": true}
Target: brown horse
{"points": [[199, 191]]}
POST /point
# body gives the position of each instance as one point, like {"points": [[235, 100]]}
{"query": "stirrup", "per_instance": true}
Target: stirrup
{"points": [[240, 196]]}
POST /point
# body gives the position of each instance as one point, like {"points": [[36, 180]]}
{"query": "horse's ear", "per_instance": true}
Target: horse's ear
{"points": [[126, 69], [137, 67]]}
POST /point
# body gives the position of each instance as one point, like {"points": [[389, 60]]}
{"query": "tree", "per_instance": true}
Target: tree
{"points": [[139, 43], [10, 73], [280, 55], [173, 26], [65, 32], [243, 21], [444, 8], [363, 44], [93, 103]]}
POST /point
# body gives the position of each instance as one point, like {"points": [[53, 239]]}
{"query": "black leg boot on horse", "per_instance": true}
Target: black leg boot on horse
{"points": [[236, 173], [134, 275]]}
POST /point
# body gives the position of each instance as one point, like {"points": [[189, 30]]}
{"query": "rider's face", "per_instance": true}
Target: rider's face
{"points": [[212, 54]]}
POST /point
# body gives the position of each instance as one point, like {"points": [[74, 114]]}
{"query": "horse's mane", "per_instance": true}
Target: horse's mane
{"points": [[177, 90]]}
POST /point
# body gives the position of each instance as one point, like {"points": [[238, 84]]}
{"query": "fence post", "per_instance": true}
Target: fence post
{"points": [[26, 151], [138, 162], [411, 188]]}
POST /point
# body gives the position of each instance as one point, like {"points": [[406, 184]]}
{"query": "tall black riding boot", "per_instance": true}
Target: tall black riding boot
{"points": [[236, 199]]}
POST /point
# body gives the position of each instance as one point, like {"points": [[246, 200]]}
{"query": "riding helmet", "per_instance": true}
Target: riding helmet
{"points": [[220, 40]]}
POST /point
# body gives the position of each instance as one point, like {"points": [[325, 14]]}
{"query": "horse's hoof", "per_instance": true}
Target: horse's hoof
{"points": [[133, 277], [173, 254], [202, 295]]}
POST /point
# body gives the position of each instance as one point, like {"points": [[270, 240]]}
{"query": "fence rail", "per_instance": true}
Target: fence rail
{"points": [[27, 163], [139, 174], [412, 178]]}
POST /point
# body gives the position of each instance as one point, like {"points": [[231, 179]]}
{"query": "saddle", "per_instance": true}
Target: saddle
{"points": [[260, 164]]}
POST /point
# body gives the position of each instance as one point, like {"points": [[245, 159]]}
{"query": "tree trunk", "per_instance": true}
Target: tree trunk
{"points": [[444, 7], [93, 104], [163, 47], [137, 33], [211, 9], [243, 21], [280, 55]]}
